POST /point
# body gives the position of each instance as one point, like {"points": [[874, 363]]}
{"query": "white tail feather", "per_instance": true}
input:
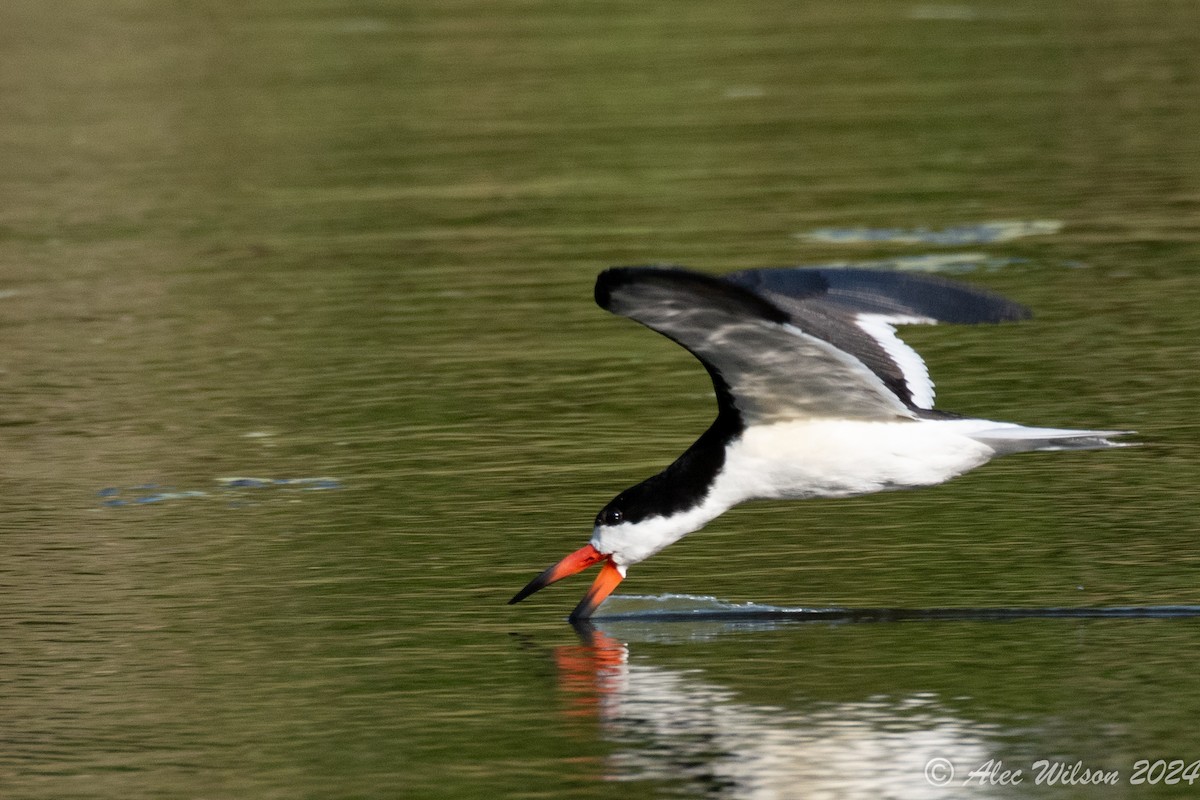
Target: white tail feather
{"points": [[1020, 439]]}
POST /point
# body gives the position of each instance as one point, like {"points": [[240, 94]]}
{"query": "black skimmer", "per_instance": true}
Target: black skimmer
{"points": [[816, 397]]}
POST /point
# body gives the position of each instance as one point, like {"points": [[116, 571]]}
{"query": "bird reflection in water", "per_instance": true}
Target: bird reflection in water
{"points": [[677, 726]]}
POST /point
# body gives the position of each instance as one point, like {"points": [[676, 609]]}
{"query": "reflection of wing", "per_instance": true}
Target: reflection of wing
{"points": [[762, 365], [857, 310]]}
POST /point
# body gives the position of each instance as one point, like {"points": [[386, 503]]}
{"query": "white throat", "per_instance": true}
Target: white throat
{"points": [[631, 542]]}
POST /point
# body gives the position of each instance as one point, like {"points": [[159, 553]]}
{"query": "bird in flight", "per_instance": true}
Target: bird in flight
{"points": [[816, 397]]}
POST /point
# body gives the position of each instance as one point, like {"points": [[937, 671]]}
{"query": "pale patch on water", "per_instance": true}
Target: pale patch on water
{"points": [[943, 11], [931, 262], [978, 233], [362, 25], [228, 489], [744, 92]]}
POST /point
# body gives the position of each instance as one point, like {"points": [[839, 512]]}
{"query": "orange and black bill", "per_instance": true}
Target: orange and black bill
{"points": [[610, 575]]}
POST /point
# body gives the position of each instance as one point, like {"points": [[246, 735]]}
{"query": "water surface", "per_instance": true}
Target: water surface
{"points": [[344, 254]]}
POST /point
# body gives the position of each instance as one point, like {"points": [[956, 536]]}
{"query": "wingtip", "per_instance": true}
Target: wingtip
{"points": [[614, 278], [679, 278], [606, 281]]}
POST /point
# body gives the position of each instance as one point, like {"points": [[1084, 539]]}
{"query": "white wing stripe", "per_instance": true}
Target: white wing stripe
{"points": [[882, 328]]}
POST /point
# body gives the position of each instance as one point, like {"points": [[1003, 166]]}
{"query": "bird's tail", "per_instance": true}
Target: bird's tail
{"points": [[1005, 439]]}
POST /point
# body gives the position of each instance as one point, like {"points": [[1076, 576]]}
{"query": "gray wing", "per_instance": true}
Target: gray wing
{"points": [[763, 365], [857, 310]]}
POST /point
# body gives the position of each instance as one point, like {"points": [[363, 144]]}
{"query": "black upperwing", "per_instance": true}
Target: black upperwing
{"points": [[764, 365], [874, 291]]}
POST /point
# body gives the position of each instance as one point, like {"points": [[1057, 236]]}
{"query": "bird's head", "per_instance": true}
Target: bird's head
{"points": [[631, 528]]}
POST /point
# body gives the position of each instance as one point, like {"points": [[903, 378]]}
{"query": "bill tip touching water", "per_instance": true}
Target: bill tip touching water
{"points": [[817, 397]]}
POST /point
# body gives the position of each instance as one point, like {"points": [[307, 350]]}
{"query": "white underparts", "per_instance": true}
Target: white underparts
{"points": [[805, 459], [814, 458]]}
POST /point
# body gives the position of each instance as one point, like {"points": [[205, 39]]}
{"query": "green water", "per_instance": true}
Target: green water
{"points": [[357, 242]]}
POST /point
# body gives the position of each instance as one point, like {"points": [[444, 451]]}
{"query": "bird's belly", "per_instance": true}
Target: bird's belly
{"points": [[840, 458]]}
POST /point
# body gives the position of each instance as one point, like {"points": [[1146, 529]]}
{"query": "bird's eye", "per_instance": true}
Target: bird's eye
{"points": [[610, 516]]}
